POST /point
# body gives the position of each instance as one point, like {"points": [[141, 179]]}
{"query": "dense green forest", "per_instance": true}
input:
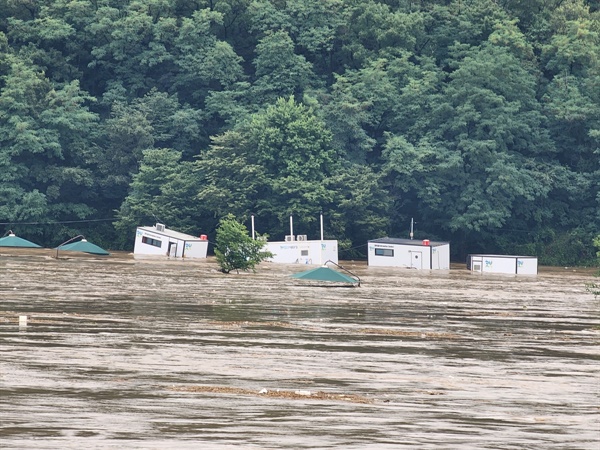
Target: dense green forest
{"points": [[479, 119]]}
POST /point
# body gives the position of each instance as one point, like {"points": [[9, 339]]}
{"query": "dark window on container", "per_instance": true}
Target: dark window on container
{"points": [[304, 252], [384, 252], [150, 241]]}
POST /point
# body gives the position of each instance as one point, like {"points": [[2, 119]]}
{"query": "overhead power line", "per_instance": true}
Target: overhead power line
{"points": [[57, 222]]}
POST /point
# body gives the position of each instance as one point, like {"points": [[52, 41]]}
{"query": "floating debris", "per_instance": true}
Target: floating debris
{"points": [[415, 334], [305, 393], [245, 323], [288, 395]]}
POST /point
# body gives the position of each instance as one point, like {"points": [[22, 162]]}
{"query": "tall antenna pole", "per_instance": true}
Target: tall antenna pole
{"points": [[291, 226], [321, 226], [412, 223], [321, 243], [252, 217]]}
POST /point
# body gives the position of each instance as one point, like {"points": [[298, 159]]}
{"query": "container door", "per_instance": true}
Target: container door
{"points": [[477, 264], [435, 258], [527, 266], [172, 250], [416, 260]]}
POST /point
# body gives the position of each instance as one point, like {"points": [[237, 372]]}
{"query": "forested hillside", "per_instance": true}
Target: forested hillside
{"points": [[480, 119]]}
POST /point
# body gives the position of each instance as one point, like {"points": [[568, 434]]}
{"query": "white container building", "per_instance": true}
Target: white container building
{"points": [[409, 253], [519, 265], [158, 240], [299, 250]]}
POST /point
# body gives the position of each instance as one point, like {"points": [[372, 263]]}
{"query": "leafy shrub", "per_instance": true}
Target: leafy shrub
{"points": [[594, 288], [235, 249]]}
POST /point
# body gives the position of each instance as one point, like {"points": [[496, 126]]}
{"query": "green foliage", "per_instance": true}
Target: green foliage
{"points": [[488, 136], [161, 192], [365, 104], [44, 171], [272, 165], [235, 249], [560, 249], [312, 23], [594, 288], [375, 31], [280, 72], [479, 118], [359, 209], [281, 162]]}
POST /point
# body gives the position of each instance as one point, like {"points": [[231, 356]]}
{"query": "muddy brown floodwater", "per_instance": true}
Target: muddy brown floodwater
{"points": [[158, 354]]}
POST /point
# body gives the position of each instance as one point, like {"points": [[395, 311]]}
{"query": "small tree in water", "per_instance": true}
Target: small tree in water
{"points": [[235, 249], [594, 288]]}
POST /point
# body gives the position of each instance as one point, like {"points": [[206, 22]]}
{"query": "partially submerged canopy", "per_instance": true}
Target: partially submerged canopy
{"points": [[14, 241], [82, 246], [325, 273]]}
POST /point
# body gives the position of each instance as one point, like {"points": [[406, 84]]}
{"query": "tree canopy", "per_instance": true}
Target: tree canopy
{"points": [[478, 119], [235, 249]]}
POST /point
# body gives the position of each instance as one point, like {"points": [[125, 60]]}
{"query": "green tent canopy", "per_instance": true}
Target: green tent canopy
{"points": [[13, 241], [324, 273], [83, 246]]}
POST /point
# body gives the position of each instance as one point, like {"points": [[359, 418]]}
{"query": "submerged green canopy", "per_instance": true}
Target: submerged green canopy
{"points": [[13, 241], [83, 246], [325, 274]]}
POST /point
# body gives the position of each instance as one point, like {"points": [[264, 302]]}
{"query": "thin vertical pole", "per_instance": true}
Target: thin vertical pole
{"points": [[321, 226], [321, 243], [253, 235], [411, 227], [291, 226]]}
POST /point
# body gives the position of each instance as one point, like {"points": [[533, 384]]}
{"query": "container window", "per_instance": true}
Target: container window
{"points": [[150, 241], [304, 252], [384, 252]]}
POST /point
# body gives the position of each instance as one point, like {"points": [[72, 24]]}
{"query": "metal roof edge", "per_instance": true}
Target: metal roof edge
{"points": [[172, 233], [492, 255], [403, 241]]}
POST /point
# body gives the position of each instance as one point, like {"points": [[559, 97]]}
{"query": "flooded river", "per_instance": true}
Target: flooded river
{"points": [[157, 354]]}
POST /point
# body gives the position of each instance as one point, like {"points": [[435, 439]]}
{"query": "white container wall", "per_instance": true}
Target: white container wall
{"points": [[153, 241], [408, 253], [440, 257], [303, 252], [508, 264], [527, 265]]}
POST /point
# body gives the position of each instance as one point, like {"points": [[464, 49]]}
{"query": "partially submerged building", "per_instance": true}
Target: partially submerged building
{"points": [[298, 249], [509, 264], [409, 253], [158, 240]]}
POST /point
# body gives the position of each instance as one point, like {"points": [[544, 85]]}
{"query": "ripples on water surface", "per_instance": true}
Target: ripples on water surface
{"points": [[147, 354]]}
